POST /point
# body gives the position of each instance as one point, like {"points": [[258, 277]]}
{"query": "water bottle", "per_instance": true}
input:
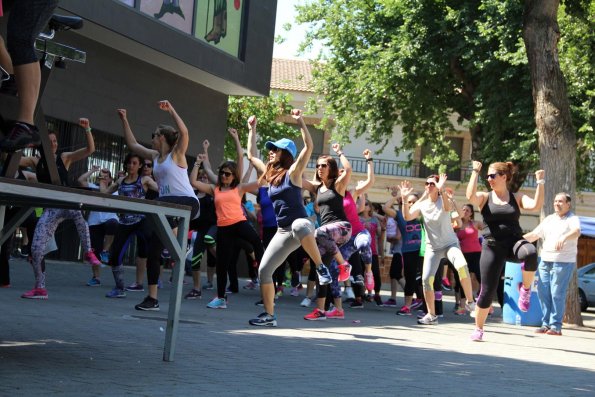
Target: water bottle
{"points": [[517, 320]]}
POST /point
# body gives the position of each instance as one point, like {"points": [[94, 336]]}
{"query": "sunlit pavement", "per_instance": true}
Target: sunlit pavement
{"points": [[79, 343]]}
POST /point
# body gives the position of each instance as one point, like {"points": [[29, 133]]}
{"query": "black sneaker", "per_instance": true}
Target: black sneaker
{"points": [[148, 304], [259, 303], [264, 320], [324, 276], [193, 294], [21, 135], [378, 300], [356, 305], [359, 279]]}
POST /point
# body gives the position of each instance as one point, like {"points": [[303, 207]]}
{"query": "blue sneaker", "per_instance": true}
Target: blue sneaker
{"points": [[217, 303], [104, 257], [264, 320], [93, 282], [324, 276], [116, 293]]}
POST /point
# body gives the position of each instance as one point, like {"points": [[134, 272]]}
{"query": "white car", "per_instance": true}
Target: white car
{"points": [[586, 286]]}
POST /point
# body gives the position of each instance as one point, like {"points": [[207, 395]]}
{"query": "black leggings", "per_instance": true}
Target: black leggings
{"points": [[493, 258], [412, 261], [226, 241]]}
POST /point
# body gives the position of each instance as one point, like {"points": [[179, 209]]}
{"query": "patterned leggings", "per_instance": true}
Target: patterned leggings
{"points": [[45, 229]]}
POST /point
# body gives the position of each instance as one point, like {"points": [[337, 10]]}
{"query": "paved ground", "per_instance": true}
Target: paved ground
{"points": [[79, 343]]}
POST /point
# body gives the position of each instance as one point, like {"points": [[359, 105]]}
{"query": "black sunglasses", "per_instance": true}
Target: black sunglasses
{"points": [[493, 176], [227, 174], [150, 165], [430, 184], [321, 165], [153, 135]]}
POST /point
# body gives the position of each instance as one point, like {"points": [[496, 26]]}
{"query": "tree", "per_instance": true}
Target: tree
{"points": [[413, 63], [268, 111]]}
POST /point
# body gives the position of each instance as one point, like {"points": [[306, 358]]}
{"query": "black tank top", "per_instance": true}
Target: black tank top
{"points": [[330, 205], [43, 174], [503, 220]]}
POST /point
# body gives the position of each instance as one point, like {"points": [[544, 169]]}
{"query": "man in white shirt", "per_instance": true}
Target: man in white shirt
{"points": [[560, 232]]}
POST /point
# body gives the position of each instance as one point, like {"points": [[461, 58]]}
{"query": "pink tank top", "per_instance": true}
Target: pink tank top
{"points": [[228, 206], [469, 239], [350, 209]]}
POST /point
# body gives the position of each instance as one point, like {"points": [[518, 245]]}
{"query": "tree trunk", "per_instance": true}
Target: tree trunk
{"points": [[557, 136]]}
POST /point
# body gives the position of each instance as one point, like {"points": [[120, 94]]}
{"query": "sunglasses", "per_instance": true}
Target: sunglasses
{"points": [[493, 176], [321, 165], [430, 184], [227, 174], [411, 202], [153, 135], [149, 165]]}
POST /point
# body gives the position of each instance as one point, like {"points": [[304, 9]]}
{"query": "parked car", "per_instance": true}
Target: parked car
{"points": [[586, 286]]}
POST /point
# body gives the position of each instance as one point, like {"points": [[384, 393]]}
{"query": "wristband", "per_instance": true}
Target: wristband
{"points": [[340, 154], [88, 129], [369, 160], [540, 181], [474, 170]]}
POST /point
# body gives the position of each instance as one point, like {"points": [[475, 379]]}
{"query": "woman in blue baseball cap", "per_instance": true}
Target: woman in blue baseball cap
{"points": [[283, 173]]}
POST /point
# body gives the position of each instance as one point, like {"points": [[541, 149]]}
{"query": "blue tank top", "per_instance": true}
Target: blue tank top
{"points": [[410, 233], [287, 202], [266, 208], [134, 190]]}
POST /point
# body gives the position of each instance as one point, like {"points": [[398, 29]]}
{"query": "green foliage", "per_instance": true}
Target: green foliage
{"points": [[267, 110], [414, 62]]}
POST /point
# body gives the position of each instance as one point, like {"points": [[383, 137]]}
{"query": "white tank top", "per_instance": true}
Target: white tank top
{"points": [[171, 178]]}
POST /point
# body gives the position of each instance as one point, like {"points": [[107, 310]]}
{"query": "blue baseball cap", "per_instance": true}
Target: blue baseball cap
{"points": [[283, 143]]}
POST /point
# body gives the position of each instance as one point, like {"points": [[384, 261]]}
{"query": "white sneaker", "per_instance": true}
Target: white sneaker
{"points": [[348, 292], [306, 302], [470, 307], [428, 319]]}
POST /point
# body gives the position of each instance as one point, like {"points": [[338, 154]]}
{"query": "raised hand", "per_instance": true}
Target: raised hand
{"points": [[449, 193], [297, 113], [394, 190], [367, 154], [165, 105], [476, 165], [539, 174], [252, 122], [441, 181], [233, 132], [205, 145], [122, 113], [405, 189], [84, 122], [202, 157], [336, 147], [95, 168]]}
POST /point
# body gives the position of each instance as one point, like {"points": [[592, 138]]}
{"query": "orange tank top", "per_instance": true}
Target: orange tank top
{"points": [[228, 206]]}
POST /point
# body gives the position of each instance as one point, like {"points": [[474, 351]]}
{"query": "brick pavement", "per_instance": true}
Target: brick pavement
{"points": [[79, 343]]}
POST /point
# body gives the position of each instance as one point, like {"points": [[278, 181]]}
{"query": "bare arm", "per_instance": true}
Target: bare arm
{"points": [[535, 203], [344, 178], [70, 157], [239, 151], [248, 173], [388, 206], [409, 213], [475, 197], [297, 168], [149, 184], [28, 162], [362, 187], [254, 160], [83, 180], [131, 140], [203, 187], [181, 146]]}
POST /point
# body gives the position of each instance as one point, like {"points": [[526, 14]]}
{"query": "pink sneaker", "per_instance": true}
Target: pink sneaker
{"points": [[91, 259], [477, 335], [316, 315], [369, 281], [344, 272], [36, 293], [336, 314], [524, 298]]}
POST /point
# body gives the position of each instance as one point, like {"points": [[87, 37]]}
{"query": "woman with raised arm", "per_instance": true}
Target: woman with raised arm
{"points": [[501, 210], [231, 221], [335, 230], [441, 241], [52, 217], [283, 173], [134, 185], [168, 153]]}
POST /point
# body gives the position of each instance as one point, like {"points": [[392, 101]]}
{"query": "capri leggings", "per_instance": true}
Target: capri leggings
{"points": [[331, 236], [432, 260], [45, 229], [396, 267], [411, 262], [155, 244], [285, 241], [27, 19], [205, 239], [362, 243], [493, 257], [122, 239], [226, 242], [98, 233]]}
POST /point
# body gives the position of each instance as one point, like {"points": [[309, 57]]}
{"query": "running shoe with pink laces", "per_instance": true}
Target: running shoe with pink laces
{"points": [[404, 311], [369, 281], [344, 272], [36, 293], [91, 259], [524, 298], [316, 315], [335, 314]]}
